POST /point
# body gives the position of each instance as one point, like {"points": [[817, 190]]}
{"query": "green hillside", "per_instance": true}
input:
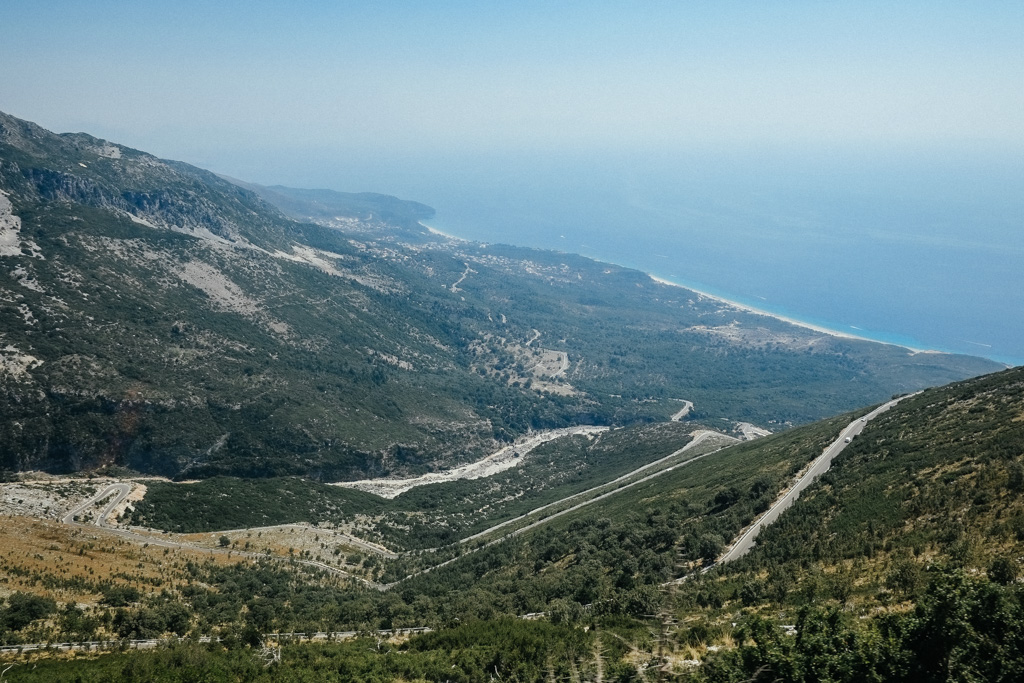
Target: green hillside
{"points": [[900, 564], [346, 210], [158, 317]]}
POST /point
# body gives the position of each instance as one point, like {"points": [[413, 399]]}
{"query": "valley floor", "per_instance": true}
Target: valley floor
{"points": [[499, 461]]}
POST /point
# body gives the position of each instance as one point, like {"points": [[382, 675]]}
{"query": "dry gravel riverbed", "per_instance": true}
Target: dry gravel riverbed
{"points": [[500, 460]]}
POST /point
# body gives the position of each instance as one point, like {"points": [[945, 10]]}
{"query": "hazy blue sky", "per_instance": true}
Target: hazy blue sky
{"points": [[229, 84]]}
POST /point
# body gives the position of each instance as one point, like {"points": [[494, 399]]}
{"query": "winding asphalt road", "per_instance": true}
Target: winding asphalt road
{"points": [[821, 465], [699, 437], [741, 547], [122, 491]]}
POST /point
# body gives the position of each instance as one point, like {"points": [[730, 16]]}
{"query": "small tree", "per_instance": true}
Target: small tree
{"points": [[1003, 571]]}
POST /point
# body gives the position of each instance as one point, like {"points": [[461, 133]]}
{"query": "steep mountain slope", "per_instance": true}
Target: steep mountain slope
{"points": [[352, 211], [937, 481], [156, 316], [160, 317], [900, 564]]}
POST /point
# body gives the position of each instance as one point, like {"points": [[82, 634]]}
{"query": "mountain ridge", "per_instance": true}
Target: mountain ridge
{"points": [[346, 210], [178, 324], [159, 317]]}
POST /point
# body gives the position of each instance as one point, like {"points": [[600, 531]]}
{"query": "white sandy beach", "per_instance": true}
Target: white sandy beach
{"points": [[740, 306], [791, 321], [435, 231]]}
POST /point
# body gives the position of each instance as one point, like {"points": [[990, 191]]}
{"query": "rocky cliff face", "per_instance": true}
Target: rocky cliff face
{"points": [[77, 168], [171, 319]]}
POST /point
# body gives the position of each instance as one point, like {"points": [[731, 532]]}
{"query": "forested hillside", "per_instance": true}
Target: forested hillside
{"points": [[900, 564], [157, 317]]}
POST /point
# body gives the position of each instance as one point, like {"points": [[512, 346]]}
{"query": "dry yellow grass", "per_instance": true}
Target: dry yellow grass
{"points": [[68, 563], [287, 540]]}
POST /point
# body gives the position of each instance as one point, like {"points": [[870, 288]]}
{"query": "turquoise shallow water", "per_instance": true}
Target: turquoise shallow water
{"points": [[888, 338]]}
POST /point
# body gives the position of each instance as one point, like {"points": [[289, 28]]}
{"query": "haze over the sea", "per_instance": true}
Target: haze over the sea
{"points": [[857, 165]]}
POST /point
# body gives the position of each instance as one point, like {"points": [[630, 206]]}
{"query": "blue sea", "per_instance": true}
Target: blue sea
{"points": [[924, 250]]}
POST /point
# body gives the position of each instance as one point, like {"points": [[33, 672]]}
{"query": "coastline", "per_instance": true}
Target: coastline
{"points": [[792, 321], [748, 308], [435, 231], [735, 304]]}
